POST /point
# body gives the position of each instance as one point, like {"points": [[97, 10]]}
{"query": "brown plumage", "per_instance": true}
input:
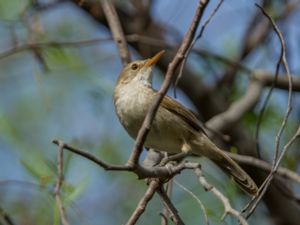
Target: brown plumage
{"points": [[175, 128]]}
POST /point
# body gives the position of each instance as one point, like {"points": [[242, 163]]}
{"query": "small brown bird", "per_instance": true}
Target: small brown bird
{"points": [[174, 129]]}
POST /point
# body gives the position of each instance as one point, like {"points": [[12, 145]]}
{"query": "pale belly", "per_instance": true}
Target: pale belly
{"points": [[167, 130]]}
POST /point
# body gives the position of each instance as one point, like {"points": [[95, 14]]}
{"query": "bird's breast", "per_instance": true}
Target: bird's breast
{"points": [[167, 132], [132, 103]]}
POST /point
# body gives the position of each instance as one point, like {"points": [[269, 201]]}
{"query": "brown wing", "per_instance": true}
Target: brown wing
{"points": [[178, 109]]}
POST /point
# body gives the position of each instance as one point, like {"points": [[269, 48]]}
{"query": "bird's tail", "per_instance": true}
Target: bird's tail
{"points": [[231, 168]]}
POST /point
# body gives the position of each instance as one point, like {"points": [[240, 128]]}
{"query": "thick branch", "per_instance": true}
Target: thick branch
{"points": [[237, 110], [282, 81]]}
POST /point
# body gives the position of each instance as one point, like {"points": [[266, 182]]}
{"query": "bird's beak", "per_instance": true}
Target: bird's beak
{"points": [[152, 61]]}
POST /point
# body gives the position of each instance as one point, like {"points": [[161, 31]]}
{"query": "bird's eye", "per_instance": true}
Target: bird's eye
{"points": [[134, 66]]}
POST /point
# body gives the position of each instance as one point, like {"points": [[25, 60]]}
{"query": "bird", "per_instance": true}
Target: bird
{"points": [[175, 129]]}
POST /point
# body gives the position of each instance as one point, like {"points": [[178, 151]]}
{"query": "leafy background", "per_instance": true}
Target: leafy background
{"points": [[69, 97]]}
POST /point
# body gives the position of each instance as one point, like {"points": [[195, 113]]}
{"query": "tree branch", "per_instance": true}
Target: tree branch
{"points": [[170, 207], [237, 110], [227, 207], [59, 183], [277, 157], [153, 186], [116, 29]]}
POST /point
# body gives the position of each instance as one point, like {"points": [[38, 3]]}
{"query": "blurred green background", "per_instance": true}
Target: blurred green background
{"points": [[66, 93]]}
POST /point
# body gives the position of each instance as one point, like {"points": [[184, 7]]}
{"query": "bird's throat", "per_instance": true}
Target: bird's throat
{"points": [[145, 76]]}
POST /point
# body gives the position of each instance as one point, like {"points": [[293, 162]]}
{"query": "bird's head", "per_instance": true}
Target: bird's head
{"points": [[140, 70]]}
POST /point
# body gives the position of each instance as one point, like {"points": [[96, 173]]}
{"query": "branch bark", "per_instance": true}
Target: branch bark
{"points": [[116, 29]]}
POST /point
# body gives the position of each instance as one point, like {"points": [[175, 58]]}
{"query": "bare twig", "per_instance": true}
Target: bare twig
{"points": [[256, 33], [262, 190], [160, 172], [92, 157], [266, 77], [144, 130], [170, 207], [166, 171], [227, 207], [288, 74], [153, 186], [165, 212], [281, 59], [116, 29], [164, 219], [51, 44], [59, 183], [194, 42], [196, 198], [277, 157]]}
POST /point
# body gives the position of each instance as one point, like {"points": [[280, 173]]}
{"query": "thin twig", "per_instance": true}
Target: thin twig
{"points": [[161, 172], [277, 157], [165, 212], [92, 157], [166, 171], [153, 186], [262, 190], [132, 38], [170, 207], [194, 42], [164, 219], [227, 207], [266, 77], [281, 58], [51, 44], [59, 183], [196, 198], [145, 128], [116, 29]]}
